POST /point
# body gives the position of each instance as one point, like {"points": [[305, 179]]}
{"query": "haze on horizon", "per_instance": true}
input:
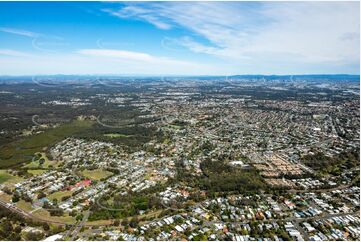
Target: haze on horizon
{"points": [[179, 38]]}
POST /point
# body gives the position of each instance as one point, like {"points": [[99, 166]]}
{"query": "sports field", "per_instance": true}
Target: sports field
{"points": [[96, 174]]}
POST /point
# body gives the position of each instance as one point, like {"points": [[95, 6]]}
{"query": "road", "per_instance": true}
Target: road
{"points": [[80, 225]]}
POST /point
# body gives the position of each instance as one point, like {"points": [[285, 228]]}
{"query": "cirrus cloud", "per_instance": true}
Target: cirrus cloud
{"points": [[260, 33]]}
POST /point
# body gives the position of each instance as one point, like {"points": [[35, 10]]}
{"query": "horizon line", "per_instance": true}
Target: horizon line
{"points": [[181, 75]]}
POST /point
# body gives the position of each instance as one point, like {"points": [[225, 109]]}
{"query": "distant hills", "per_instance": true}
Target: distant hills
{"points": [[80, 78]]}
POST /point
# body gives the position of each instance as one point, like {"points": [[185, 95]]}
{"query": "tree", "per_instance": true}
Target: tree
{"points": [[41, 161], [125, 222], [46, 205], [41, 195], [18, 229], [46, 227], [33, 236], [65, 198], [116, 222], [26, 198], [6, 227], [56, 212], [7, 190], [15, 198], [79, 217], [14, 237], [134, 222]]}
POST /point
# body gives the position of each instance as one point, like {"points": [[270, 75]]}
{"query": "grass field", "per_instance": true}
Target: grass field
{"points": [[23, 150], [36, 172], [5, 197], [4, 176], [100, 222], [7, 178], [35, 163], [96, 174], [59, 195], [116, 135], [43, 214], [26, 206]]}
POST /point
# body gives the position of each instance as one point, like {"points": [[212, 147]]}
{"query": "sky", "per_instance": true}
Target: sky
{"points": [[179, 38]]}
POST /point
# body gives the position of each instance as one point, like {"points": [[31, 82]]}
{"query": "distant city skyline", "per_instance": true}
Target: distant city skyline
{"points": [[179, 38]]}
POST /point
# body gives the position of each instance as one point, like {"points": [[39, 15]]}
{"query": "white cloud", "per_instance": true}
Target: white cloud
{"points": [[139, 13], [13, 53], [131, 56], [262, 33], [244, 38], [19, 32], [121, 54], [99, 61]]}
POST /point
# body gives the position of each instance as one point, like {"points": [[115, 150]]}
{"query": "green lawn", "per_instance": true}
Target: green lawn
{"points": [[4, 176], [35, 163], [23, 150], [36, 172], [43, 214], [26, 206], [59, 195], [96, 174], [7, 178]]}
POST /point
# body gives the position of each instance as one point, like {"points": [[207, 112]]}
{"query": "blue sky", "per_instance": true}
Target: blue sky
{"points": [[180, 38]]}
